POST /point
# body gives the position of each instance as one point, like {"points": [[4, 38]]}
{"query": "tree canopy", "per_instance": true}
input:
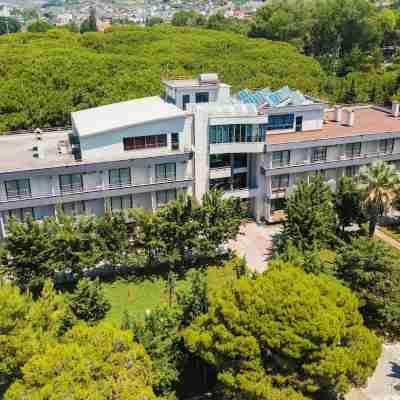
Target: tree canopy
{"points": [[285, 329], [62, 71], [100, 362]]}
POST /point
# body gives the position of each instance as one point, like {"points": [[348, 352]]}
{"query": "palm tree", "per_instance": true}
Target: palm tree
{"points": [[380, 183]]}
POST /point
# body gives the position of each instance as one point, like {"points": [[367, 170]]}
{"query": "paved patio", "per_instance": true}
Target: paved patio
{"points": [[255, 243]]}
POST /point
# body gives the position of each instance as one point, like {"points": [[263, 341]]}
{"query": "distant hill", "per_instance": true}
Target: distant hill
{"points": [[46, 76]]}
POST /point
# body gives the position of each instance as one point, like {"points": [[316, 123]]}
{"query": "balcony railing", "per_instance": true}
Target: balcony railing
{"points": [[79, 189], [343, 157]]}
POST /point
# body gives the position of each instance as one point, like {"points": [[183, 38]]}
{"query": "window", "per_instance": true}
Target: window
{"points": [[165, 196], [353, 150], [352, 171], [386, 146], [280, 158], [240, 181], [299, 124], [120, 177], [145, 142], [117, 203], [71, 183], [74, 208], [19, 188], [20, 214], [240, 161], [284, 121], [220, 160], [318, 154], [165, 172], [202, 97], [237, 133], [221, 183], [175, 141], [185, 100], [279, 182]]}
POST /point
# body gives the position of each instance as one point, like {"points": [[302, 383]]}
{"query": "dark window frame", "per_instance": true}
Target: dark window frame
{"points": [[145, 142], [319, 154], [202, 97]]}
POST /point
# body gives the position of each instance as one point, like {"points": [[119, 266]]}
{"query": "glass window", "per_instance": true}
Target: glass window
{"points": [[20, 214], [19, 188], [352, 171], [165, 196], [386, 145], [284, 121], [143, 142], [318, 154], [202, 97], [280, 158], [221, 183], [120, 176], [74, 208], [71, 183], [279, 182], [117, 203], [240, 181], [240, 161], [353, 150], [239, 133], [185, 100], [165, 172], [220, 160], [175, 141]]}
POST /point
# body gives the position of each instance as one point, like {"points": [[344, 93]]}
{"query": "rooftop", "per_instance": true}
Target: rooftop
{"points": [[123, 115], [17, 154], [367, 121], [203, 80]]}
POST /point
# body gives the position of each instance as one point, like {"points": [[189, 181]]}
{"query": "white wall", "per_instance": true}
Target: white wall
{"points": [[109, 146]]}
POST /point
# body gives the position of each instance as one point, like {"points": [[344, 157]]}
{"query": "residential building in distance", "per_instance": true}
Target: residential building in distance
{"points": [[254, 145]]}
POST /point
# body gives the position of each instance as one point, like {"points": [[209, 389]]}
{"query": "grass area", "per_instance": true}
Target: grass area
{"points": [[138, 295]]}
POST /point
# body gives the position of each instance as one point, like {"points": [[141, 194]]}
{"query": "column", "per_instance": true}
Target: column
{"points": [[153, 200], [2, 226]]}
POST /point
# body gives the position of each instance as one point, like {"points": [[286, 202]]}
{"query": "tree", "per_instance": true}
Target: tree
{"points": [[154, 21], [379, 182], [310, 219], [9, 25], [26, 326], [372, 271], [283, 335], [26, 253], [88, 301], [188, 18], [100, 361], [348, 203], [39, 26], [90, 23]]}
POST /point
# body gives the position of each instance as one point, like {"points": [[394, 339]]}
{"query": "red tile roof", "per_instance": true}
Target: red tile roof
{"points": [[367, 120]]}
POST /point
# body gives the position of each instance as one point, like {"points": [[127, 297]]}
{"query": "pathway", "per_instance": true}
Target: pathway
{"points": [[381, 235], [255, 243]]}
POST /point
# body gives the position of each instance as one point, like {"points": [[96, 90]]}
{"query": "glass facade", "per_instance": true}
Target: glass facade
{"points": [[17, 189], [165, 172], [284, 121], [120, 177], [236, 133], [71, 183], [165, 196]]}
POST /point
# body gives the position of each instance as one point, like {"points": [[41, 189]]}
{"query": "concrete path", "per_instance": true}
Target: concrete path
{"points": [[381, 235], [255, 243], [385, 382]]}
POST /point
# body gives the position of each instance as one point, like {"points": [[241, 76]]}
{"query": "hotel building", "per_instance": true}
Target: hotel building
{"points": [[254, 145]]}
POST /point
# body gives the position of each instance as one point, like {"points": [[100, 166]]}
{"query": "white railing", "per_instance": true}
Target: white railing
{"points": [[78, 189], [342, 157]]}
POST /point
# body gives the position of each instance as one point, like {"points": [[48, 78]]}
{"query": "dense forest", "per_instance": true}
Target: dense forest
{"points": [[45, 76]]}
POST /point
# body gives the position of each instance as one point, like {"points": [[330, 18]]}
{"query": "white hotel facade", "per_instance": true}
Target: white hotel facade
{"points": [[254, 145]]}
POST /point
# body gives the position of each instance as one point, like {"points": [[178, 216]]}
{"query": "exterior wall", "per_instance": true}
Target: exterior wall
{"points": [[109, 145]]}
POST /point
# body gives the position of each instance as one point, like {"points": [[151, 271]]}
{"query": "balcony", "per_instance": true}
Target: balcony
{"points": [[221, 172], [343, 160], [242, 193], [88, 192]]}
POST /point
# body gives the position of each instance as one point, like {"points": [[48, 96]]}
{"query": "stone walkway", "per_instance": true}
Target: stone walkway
{"points": [[255, 243]]}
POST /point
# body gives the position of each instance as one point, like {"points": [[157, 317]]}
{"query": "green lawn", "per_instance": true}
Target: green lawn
{"points": [[138, 295]]}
